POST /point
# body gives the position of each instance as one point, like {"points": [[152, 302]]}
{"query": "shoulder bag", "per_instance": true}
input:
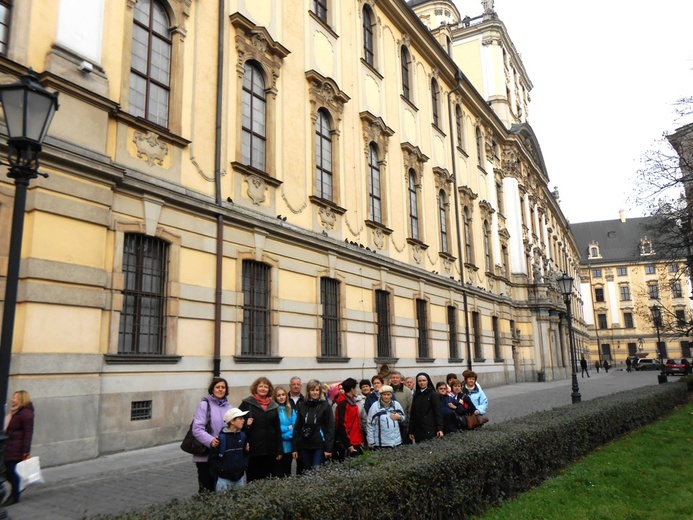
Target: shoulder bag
{"points": [[190, 444]]}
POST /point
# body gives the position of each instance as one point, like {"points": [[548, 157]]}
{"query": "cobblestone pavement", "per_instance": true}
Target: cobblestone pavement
{"points": [[130, 480]]}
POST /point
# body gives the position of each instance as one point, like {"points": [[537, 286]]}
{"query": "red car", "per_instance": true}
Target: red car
{"points": [[678, 366]]}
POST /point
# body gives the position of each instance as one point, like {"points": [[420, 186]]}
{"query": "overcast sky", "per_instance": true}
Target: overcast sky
{"points": [[606, 74]]}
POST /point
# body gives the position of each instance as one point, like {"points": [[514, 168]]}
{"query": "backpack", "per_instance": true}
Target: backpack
{"points": [[230, 462]]}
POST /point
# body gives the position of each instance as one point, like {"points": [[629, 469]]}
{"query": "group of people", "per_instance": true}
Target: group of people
{"points": [[274, 426], [19, 428]]}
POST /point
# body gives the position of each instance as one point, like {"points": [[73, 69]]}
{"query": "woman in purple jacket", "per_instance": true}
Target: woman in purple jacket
{"points": [[19, 427], [210, 412]]}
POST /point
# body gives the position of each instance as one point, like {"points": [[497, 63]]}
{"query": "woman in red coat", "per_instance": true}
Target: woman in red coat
{"points": [[19, 427]]}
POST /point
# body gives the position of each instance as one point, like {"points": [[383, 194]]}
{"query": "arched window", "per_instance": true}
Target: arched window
{"points": [[487, 246], [434, 101], [367, 18], [479, 146], [150, 62], [323, 156], [375, 200], [254, 130], [413, 206], [443, 217], [405, 73], [467, 236], [459, 121]]}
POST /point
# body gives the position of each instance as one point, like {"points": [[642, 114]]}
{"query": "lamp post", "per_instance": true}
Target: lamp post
{"points": [[565, 284], [28, 110], [657, 320]]}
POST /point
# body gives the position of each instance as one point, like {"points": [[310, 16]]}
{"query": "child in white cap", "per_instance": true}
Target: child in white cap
{"points": [[229, 460]]}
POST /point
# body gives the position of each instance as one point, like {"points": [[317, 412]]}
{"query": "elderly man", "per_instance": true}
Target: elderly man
{"points": [[409, 383], [295, 395]]}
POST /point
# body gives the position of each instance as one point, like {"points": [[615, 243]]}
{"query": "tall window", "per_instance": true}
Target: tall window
{"points": [[255, 330], [606, 350], [367, 19], [329, 297], [622, 271], [499, 196], [601, 319], [686, 349], [452, 332], [632, 349], [650, 269], [5, 12], [597, 273], [497, 354], [382, 311], [676, 291], [253, 127], [150, 62], [599, 294], [434, 102], [323, 156], [142, 319], [374, 185], [662, 349], [625, 292], [422, 328], [404, 54], [413, 206], [443, 218], [467, 237], [628, 320], [487, 246], [673, 268], [476, 329], [479, 146], [320, 9], [680, 318], [653, 291], [459, 121]]}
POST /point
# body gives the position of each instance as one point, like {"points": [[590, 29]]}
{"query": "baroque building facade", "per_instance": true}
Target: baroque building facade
{"points": [[622, 277], [316, 188]]}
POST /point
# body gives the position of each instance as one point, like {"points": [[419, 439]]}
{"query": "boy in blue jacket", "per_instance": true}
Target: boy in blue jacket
{"points": [[229, 460]]}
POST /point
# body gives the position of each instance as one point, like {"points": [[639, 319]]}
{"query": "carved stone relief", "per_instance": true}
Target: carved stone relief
{"points": [[328, 218], [256, 189], [150, 147]]}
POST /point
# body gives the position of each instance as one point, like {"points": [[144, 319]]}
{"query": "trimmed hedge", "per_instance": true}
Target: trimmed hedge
{"points": [[459, 475]]}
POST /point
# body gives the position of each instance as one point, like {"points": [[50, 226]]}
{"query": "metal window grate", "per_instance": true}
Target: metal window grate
{"points": [[382, 310], [142, 318], [329, 296], [255, 330], [140, 410], [422, 327], [452, 332]]}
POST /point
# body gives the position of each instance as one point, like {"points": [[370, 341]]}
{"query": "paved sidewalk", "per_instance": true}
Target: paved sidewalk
{"points": [[131, 480]]}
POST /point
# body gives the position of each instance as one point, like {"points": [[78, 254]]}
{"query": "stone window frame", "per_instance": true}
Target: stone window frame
{"points": [[422, 305], [376, 23], [342, 327], [414, 161], [377, 133], [467, 198], [444, 184], [325, 94], [178, 12], [254, 43], [170, 348]]}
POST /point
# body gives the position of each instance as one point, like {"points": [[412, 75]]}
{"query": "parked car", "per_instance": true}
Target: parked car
{"points": [[648, 364], [678, 366]]}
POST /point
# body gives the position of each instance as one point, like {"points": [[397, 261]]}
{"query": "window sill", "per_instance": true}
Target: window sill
{"points": [[447, 256], [425, 360], [141, 359], [377, 225], [409, 102], [415, 242], [372, 69], [438, 129], [386, 360], [250, 170], [325, 203], [479, 360], [455, 360], [324, 24], [498, 360], [471, 267], [461, 150], [332, 359], [257, 359], [142, 124]]}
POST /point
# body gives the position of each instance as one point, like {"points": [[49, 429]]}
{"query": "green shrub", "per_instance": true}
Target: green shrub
{"points": [[448, 478]]}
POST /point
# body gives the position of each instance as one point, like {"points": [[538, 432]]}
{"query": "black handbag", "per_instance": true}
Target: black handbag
{"points": [[190, 444]]}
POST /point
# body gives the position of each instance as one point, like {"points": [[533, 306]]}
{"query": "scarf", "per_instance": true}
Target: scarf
{"points": [[262, 401]]}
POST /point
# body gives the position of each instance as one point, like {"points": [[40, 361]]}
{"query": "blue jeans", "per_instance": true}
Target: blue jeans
{"points": [[223, 483], [311, 458]]}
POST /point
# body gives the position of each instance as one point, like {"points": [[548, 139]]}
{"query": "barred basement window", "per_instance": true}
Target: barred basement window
{"points": [[329, 297], [140, 410], [255, 329], [142, 323]]}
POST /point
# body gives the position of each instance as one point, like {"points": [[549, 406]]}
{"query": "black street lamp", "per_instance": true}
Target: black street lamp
{"points": [[657, 319], [28, 110], [565, 284]]}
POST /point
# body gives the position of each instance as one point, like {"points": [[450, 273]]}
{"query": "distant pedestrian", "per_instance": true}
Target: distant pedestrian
{"points": [[607, 366], [262, 429], [314, 430], [583, 366], [207, 423], [19, 427], [597, 365], [229, 459], [629, 365]]}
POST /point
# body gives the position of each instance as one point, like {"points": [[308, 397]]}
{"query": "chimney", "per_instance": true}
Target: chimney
{"points": [[622, 215]]}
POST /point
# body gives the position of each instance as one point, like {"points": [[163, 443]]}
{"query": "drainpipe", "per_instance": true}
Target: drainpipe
{"points": [[465, 305], [217, 185]]}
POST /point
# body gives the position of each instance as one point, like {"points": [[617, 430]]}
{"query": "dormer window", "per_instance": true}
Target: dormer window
{"points": [[594, 251], [646, 247]]}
